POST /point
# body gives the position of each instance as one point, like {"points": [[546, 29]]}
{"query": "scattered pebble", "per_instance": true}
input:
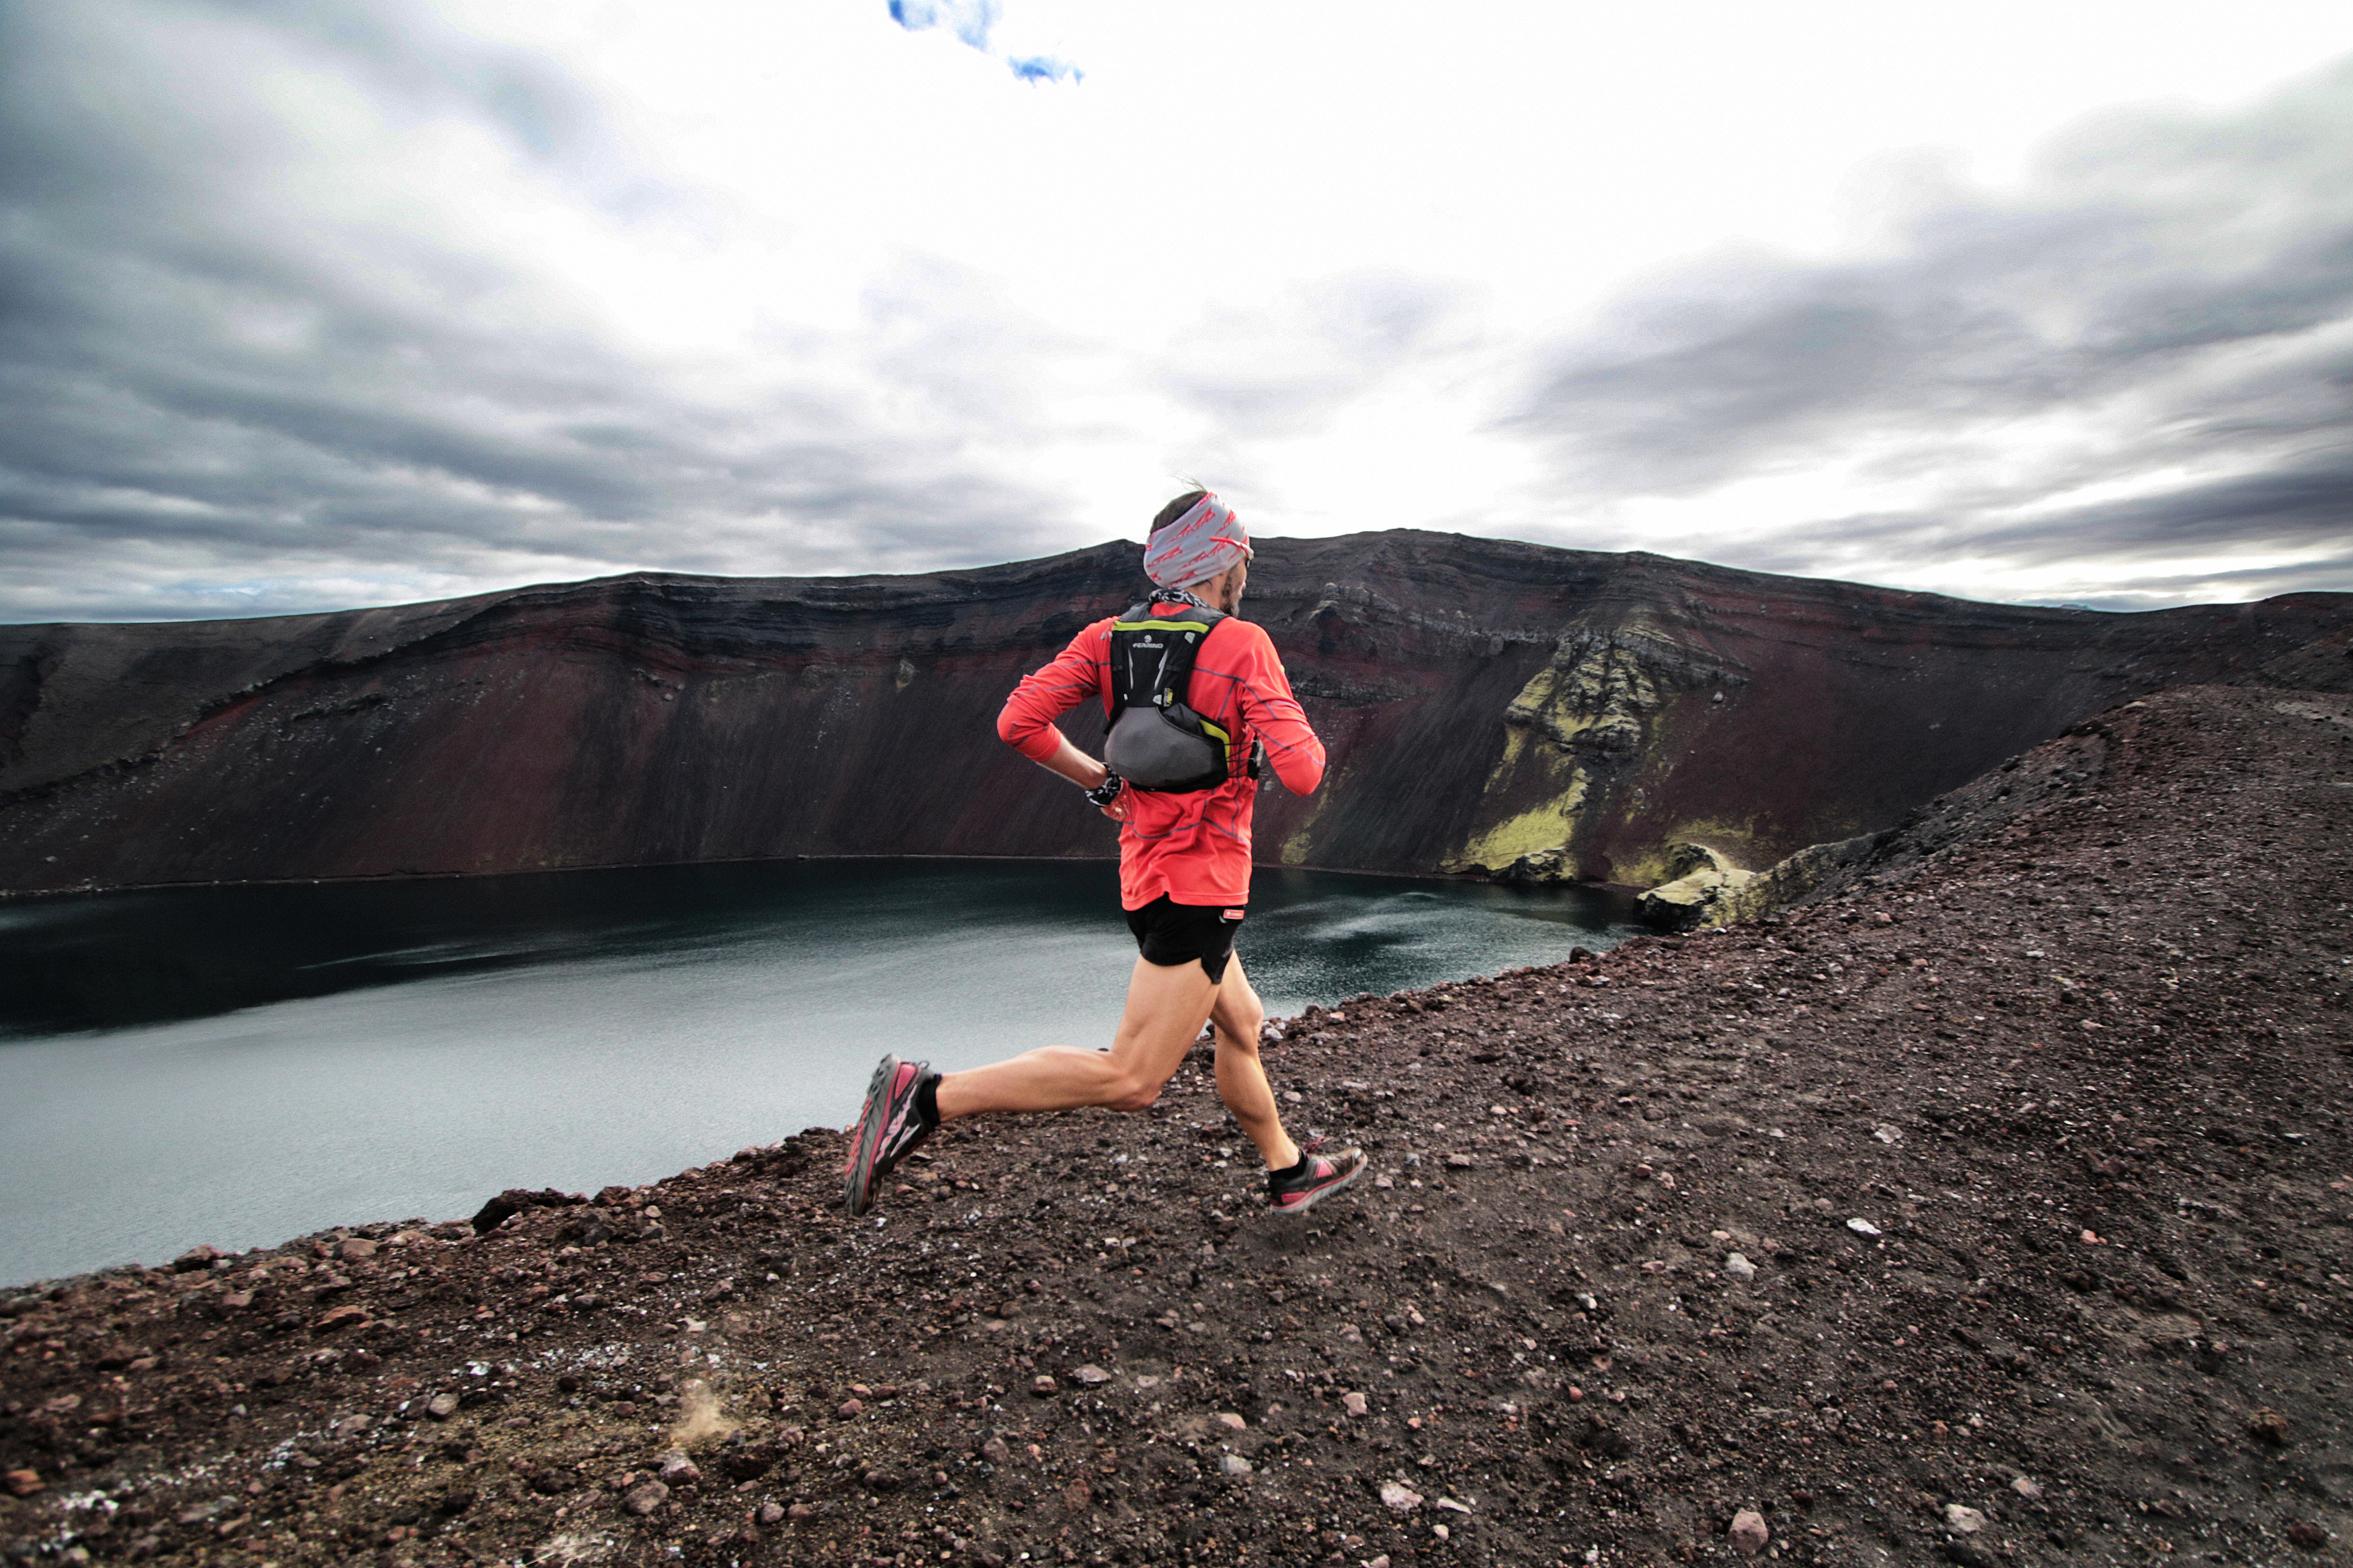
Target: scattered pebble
{"points": [[1748, 1532]]}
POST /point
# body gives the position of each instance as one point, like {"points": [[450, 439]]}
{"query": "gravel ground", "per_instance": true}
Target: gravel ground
{"points": [[1991, 1208]]}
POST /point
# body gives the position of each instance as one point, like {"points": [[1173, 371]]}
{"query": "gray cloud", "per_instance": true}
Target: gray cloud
{"points": [[243, 369], [1293, 365], [2291, 509], [2177, 290], [209, 404]]}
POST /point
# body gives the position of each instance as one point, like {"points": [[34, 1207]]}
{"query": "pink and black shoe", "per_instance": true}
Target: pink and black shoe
{"points": [[1314, 1179], [891, 1126]]}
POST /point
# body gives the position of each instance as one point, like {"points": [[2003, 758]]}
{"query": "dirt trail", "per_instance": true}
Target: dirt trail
{"points": [[2029, 1140]]}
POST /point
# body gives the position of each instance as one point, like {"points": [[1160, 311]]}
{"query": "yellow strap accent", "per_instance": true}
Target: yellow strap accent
{"points": [[1160, 625]]}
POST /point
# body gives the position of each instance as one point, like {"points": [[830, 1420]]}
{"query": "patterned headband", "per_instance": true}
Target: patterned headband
{"points": [[1200, 545]]}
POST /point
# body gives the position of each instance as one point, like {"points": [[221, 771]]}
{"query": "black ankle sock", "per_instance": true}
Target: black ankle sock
{"points": [[927, 1100], [1298, 1170]]}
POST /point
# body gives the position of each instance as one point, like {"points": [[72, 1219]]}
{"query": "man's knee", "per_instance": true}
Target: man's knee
{"points": [[1134, 1094], [1239, 1047]]}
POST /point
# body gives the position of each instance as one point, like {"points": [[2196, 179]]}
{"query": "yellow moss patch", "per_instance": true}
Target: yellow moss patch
{"points": [[1546, 825]]}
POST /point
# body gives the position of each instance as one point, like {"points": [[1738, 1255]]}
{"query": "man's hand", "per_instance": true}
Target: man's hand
{"points": [[1087, 773]]}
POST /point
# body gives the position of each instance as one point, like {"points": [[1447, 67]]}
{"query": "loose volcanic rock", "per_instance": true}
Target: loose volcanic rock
{"points": [[1551, 1337], [1749, 1534]]}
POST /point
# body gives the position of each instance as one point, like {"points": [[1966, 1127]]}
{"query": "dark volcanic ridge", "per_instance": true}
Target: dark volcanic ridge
{"points": [[1993, 1207], [1533, 713]]}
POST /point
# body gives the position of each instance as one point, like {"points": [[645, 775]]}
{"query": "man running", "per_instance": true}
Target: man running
{"points": [[1183, 873]]}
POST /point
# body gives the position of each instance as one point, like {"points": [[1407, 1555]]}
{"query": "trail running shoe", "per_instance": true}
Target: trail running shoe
{"points": [[1314, 1179], [888, 1130]]}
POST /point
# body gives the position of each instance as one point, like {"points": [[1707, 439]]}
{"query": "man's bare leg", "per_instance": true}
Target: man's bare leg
{"points": [[1166, 1006], [1242, 1077]]}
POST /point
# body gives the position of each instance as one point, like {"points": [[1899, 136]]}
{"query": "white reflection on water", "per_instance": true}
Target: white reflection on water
{"points": [[616, 1026]]}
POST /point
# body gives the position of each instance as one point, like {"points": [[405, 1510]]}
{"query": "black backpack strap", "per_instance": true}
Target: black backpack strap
{"points": [[1138, 619]]}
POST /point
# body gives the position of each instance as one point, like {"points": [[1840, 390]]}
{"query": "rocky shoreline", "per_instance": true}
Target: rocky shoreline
{"points": [[1992, 1205]]}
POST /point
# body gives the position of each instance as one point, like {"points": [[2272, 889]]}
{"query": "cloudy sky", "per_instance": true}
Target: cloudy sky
{"points": [[306, 304]]}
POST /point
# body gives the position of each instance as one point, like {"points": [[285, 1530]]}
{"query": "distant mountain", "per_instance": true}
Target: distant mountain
{"points": [[1534, 712]]}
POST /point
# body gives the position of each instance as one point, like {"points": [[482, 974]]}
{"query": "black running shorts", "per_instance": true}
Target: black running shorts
{"points": [[1169, 934]]}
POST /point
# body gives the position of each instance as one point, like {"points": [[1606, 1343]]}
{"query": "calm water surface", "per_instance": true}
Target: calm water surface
{"points": [[240, 1065]]}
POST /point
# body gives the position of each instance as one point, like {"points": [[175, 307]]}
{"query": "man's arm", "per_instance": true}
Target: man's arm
{"points": [[1026, 722], [1264, 693], [1073, 764]]}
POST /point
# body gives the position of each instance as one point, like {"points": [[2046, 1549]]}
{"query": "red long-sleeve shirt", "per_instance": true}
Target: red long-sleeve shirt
{"points": [[1193, 847]]}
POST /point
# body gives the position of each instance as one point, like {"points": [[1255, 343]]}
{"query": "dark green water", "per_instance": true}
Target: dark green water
{"points": [[242, 1065]]}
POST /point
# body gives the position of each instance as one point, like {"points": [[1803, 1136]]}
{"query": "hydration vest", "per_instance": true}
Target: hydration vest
{"points": [[1157, 742]]}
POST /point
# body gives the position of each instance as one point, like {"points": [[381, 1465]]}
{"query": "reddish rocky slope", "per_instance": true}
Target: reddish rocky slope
{"points": [[1992, 1210], [1540, 712]]}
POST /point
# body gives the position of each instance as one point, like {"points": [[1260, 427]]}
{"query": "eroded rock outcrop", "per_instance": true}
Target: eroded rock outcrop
{"points": [[1701, 885], [1709, 891]]}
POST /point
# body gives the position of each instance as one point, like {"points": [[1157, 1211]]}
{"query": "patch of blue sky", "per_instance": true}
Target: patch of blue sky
{"points": [[969, 20], [1045, 67], [973, 22]]}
